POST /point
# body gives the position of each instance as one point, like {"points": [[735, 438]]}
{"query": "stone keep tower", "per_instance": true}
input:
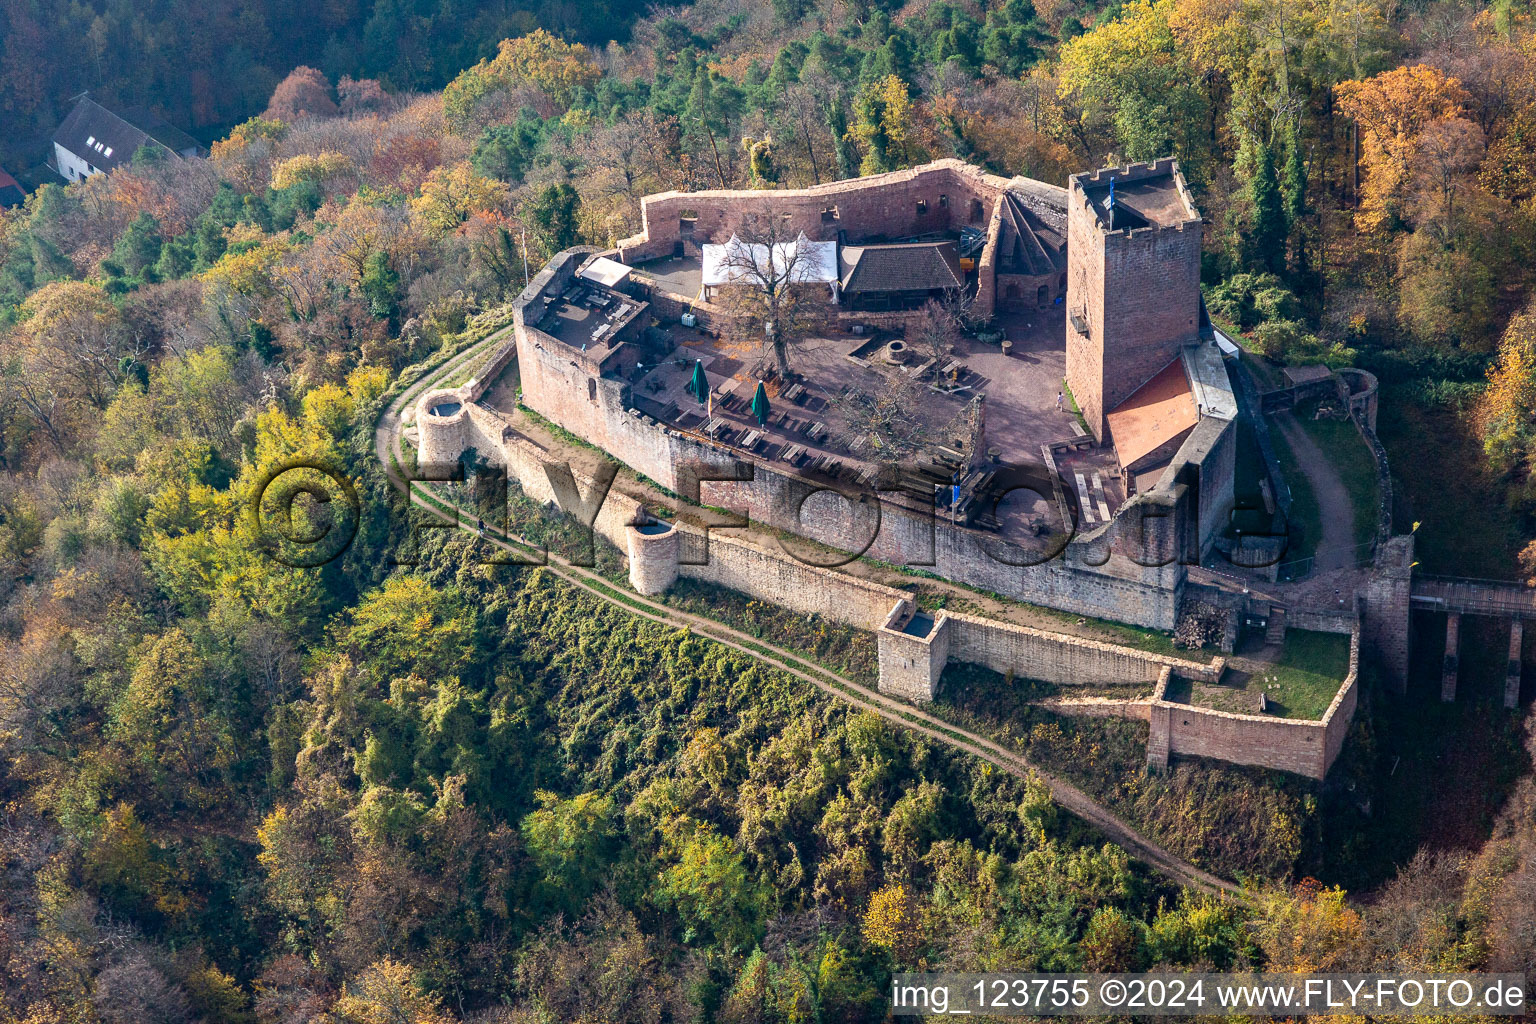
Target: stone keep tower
{"points": [[1133, 281]]}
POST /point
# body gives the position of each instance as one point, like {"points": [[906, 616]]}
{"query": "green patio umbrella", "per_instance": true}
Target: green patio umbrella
{"points": [[760, 405], [700, 383]]}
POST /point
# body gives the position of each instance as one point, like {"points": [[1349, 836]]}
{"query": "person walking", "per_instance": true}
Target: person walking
{"points": [[1060, 397]]}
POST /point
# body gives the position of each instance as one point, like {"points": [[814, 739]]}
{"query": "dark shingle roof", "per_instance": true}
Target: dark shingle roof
{"points": [[168, 135], [106, 140], [908, 267]]}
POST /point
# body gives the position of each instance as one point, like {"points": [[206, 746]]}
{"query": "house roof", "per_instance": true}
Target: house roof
{"points": [[107, 140], [163, 132], [1027, 244], [11, 193], [1152, 200], [905, 267], [1156, 413], [813, 262]]}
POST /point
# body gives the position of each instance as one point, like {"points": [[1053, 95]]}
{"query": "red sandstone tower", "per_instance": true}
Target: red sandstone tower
{"points": [[1133, 281]]}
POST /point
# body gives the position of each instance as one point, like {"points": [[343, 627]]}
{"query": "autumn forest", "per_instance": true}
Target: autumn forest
{"points": [[363, 792]]}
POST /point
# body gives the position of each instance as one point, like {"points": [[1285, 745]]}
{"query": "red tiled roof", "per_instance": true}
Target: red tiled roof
{"points": [[1159, 410]]}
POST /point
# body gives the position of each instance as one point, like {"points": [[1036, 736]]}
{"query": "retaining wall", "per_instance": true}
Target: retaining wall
{"points": [[1304, 747], [911, 667], [1061, 658]]}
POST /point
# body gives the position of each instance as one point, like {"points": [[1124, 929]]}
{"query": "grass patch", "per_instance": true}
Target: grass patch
{"points": [[1300, 684], [1352, 459], [1310, 670], [1306, 522], [1072, 404]]}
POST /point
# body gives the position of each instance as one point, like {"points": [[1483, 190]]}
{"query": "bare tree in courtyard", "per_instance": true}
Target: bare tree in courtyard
{"points": [[777, 293], [885, 415], [935, 329]]}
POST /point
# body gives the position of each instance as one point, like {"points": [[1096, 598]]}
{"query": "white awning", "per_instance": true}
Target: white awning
{"points": [[606, 271], [814, 262]]}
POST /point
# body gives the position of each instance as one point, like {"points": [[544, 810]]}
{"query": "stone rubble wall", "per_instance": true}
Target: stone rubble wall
{"points": [[1307, 748], [1304, 747], [1062, 658], [876, 206], [1097, 575]]}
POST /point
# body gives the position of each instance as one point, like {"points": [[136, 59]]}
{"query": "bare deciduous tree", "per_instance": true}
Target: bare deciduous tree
{"points": [[936, 328], [775, 295], [882, 410]]}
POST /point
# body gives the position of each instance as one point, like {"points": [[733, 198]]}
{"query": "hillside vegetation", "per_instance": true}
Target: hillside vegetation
{"points": [[239, 790]]}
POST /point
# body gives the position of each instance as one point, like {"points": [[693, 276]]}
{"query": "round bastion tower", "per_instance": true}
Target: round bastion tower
{"points": [[653, 554], [442, 426]]}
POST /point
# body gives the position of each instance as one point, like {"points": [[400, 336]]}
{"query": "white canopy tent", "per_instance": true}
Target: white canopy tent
{"points": [[607, 271], [808, 262]]}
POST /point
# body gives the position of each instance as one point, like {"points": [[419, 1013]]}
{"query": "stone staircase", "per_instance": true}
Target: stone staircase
{"points": [[1275, 633]]}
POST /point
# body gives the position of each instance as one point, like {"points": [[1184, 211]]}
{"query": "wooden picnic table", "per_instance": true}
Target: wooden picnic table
{"points": [[794, 391], [751, 440], [818, 429]]}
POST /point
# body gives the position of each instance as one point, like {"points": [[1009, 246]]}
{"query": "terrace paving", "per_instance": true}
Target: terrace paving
{"points": [[1021, 414], [680, 275]]}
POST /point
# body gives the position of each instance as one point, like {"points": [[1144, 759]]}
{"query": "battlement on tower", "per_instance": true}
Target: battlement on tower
{"points": [[1146, 197], [1133, 281]]}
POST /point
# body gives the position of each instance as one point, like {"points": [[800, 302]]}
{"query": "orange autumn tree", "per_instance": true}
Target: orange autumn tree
{"points": [[1508, 407], [1393, 110]]}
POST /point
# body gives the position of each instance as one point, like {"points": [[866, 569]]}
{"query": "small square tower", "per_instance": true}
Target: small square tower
{"points": [[1133, 281]]}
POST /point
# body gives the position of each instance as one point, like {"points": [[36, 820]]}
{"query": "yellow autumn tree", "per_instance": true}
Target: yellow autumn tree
{"points": [[246, 133], [1310, 930], [883, 125], [249, 271], [311, 167], [246, 154], [539, 59], [1508, 407], [894, 921], [1392, 111], [451, 194], [386, 994]]}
